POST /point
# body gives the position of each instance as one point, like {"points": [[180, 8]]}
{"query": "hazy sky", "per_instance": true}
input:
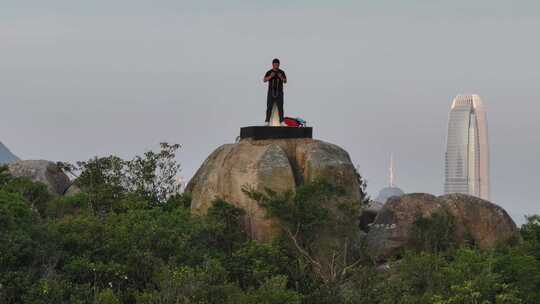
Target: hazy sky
{"points": [[79, 79]]}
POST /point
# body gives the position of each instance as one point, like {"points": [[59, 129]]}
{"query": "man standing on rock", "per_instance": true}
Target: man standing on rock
{"points": [[275, 78]]}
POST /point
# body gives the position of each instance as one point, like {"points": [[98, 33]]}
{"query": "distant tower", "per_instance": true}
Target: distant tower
{"points": [[467, 149], [391, 190]]}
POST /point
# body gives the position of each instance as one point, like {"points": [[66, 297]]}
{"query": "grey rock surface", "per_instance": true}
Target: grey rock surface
{"points": [[43, 171]]}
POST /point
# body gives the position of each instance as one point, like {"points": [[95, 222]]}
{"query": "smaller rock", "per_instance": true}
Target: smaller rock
{"points": [[42, 171], [486, 223]]}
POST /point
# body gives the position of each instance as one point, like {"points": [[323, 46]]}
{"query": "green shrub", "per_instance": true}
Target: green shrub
{"points": [[434, 233]]}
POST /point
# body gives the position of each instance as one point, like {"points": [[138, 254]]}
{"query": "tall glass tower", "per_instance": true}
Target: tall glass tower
{"points": [[467, 148]]}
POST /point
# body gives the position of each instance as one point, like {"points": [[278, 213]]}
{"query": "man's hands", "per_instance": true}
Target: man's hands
{"points": [[269, 77], [273, 74]]}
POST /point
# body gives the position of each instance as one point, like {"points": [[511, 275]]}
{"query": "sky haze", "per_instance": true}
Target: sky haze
{"points": [[81, 79]]}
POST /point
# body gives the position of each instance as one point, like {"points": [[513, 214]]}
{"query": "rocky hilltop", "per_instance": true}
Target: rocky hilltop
{"points": [[6, 156], [475, 220], [276, 164]]}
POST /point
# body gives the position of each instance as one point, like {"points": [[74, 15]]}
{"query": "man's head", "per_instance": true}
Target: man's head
{"points": [[275, 64]]}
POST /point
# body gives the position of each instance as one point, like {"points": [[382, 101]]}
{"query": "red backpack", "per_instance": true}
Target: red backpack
{"points": [[294, 122]]}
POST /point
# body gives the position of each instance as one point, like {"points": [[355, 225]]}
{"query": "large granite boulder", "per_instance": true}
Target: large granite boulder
{"points": [[43, 171], [485, 223], [279, 165]]}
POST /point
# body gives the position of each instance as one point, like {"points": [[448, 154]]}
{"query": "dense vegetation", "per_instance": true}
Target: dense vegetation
{"points": [[129, 237]]}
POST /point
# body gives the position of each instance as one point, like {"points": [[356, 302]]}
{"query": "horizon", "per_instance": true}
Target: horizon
{"points": [[375, 79]]}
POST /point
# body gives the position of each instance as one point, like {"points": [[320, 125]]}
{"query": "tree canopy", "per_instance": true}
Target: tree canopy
{"points": [[129, 237]]}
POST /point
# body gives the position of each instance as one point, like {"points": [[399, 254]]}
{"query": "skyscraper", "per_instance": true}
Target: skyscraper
{"points": [[467, 148]]}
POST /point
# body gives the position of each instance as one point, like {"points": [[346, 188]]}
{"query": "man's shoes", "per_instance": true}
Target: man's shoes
{"points": [[283, 124], [267, 123]]}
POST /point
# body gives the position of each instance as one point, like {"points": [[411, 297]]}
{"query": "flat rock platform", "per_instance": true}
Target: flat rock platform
{"points": [[264, 132]]}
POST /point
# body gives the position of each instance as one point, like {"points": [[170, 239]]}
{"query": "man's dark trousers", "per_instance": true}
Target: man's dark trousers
{"points": [[270, 103]]}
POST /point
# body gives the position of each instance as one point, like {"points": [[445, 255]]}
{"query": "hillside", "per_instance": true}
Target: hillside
{"points": [[128, 236]]}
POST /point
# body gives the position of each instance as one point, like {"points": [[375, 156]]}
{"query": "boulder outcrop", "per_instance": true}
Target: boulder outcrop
{"points": [[43, 171], [277, 164], [485, 223]]}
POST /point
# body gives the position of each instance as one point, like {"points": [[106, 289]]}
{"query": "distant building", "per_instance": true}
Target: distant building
{"points": [[467, 149], [387, 193], [391, 190], [370, 211]]}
